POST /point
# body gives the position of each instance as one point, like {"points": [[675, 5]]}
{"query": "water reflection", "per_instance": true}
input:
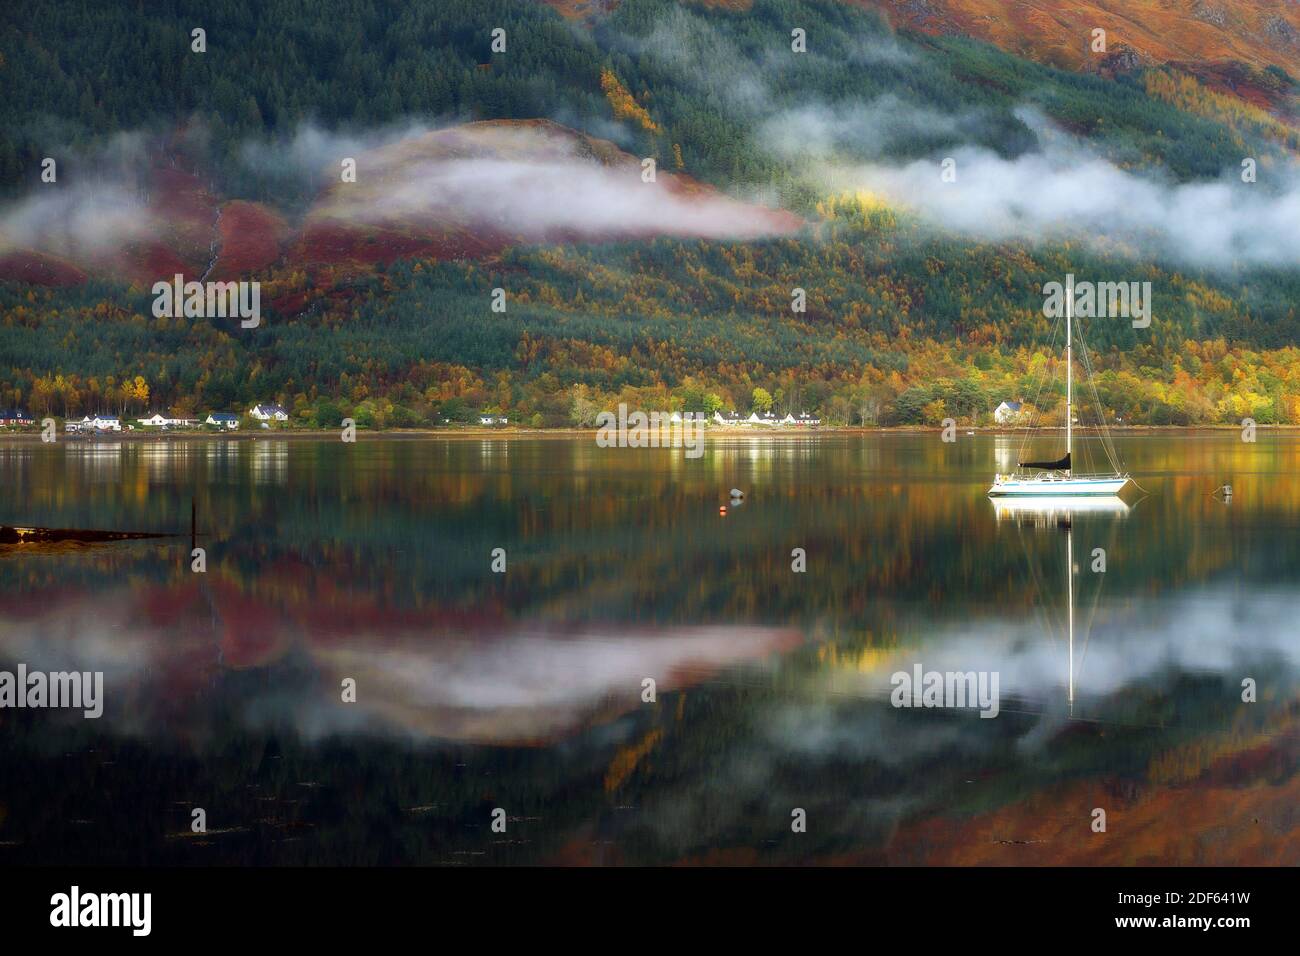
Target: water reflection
{"points": [[1046, 510], [270, 462], [164, 651], [97, 461], [373, 562]]}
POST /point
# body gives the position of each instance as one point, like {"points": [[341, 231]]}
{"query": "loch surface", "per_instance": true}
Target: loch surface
{"points": [[366, 572]]}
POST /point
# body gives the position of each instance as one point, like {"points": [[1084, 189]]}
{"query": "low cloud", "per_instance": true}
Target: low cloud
{"points": [[864, 130], [313, 151], [534, 182], [1059, 194], [95, 204], [538, 200], [1062, 189], [77, 221]]}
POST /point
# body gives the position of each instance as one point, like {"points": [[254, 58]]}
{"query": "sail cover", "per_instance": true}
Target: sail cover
{"points": [[1062, 465]]}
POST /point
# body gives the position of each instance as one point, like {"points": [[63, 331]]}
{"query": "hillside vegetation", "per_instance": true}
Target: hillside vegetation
{"points": [[904, 324]]}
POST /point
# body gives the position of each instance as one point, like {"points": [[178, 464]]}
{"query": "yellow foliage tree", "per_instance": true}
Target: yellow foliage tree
{"points": [[624, 105]]}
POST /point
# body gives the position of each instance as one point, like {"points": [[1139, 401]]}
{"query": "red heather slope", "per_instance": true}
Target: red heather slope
{"points": [[251, 238], [174, 224], [38, 268]]}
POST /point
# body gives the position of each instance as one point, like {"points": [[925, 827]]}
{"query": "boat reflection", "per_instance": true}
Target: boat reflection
{"points": [[1059, 512], [1049, 509]]}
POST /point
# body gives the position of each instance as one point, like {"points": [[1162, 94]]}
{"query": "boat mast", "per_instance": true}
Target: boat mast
{"points": [[1069, 365], [1069, 587]]}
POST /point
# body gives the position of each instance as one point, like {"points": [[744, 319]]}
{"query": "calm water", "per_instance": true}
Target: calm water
{"points": [[477, 690]]}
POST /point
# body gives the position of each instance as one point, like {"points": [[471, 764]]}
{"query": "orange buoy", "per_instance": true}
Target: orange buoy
{"points": [[722, 510]]}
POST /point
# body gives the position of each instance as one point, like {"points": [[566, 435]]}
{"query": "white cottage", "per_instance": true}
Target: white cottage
{"points": [[97, 423], [159, 420], [1007, 413], [269, 411]]}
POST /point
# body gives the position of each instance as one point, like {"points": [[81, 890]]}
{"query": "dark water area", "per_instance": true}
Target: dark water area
{"points": [[371, 565]]}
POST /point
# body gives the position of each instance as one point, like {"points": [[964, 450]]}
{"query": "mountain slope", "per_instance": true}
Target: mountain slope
{"points": [[1261, 33], [1229, 45], [520, 170]]}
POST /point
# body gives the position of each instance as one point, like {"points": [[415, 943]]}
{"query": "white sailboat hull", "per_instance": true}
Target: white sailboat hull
{"points": [[1052, 486]]}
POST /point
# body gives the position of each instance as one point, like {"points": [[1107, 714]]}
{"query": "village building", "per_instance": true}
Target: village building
{"points": [[223, 420], [1007, 413], [97, 423], [269, 411], [15, 416], [159, 420]]}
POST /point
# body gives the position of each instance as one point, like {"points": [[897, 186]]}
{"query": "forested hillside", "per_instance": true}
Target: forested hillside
{"points": [[77, 72], [898, 330], [909, 318]]}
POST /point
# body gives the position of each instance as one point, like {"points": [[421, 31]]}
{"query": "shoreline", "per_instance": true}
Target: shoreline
{"points": [[509, 433]]}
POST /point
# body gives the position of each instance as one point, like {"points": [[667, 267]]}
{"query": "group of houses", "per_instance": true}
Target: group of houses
{"points": [[1007, 413], [767, 418], [730, 418], [15, 416], [263, 412]]}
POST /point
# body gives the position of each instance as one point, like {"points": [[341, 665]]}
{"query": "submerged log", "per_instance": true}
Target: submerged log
{"points": [[14, 535]]}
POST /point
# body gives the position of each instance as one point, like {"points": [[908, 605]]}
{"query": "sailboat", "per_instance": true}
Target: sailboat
{"points": [[1057, 479]]}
